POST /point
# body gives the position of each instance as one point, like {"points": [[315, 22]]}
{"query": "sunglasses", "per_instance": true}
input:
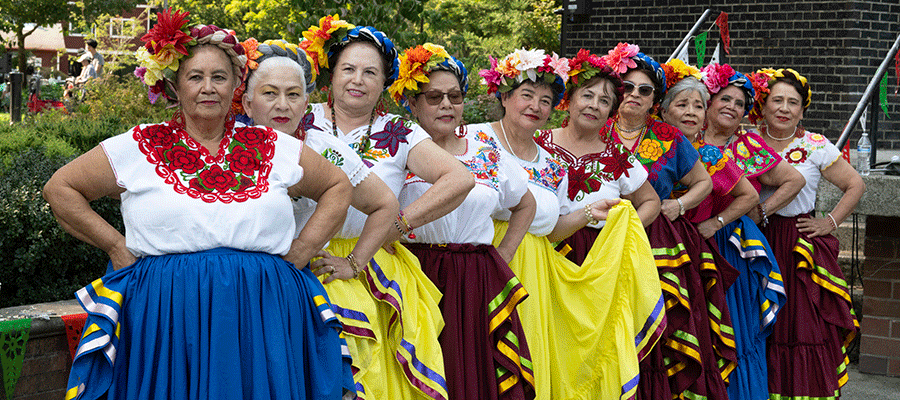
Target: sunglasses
{"points": [[435, 97], [643, 89]]}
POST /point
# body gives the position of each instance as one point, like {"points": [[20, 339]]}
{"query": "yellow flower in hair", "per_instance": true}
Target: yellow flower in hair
{"points": [[154, 70], [318, 36], [437, 50], [683, 70]]}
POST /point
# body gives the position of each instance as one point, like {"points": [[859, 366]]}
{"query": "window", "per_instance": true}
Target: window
{"points": [[121, 28]]}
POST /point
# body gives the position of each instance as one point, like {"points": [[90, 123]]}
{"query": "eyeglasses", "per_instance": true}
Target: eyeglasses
{"points": [[435, 97], [643, 89]]}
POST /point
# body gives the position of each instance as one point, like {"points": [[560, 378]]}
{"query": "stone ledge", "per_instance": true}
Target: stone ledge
{"points": [[881, 196]]}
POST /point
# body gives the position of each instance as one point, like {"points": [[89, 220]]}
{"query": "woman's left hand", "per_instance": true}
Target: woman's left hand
{"points": [[600, 208], [813, 227], [670, 209], [709, 228], [337, 267]]}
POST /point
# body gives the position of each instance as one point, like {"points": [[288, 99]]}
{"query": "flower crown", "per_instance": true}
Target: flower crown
{"points": [[676, 70], [719, 76], [415, 65], [582, 68], [319, 39], [167, 43], [259, 52], [523, 64], [766, 77], [626, 57]]}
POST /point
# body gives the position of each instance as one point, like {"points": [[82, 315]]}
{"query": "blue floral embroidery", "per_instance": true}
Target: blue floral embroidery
{"points": [[484, 167], [548, 177]]}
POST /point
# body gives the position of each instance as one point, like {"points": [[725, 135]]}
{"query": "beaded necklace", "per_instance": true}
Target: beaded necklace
{"points": [[368, 131]]}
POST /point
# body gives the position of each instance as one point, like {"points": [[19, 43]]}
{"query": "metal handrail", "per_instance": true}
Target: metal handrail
{"points": [[690, 34], [870, 90]]}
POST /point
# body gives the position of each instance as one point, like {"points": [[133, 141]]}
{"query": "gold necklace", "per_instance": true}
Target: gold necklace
{"points": [[620, 131]]}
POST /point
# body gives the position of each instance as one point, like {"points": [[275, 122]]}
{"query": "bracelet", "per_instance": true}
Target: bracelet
{"points": [[589, 215], [833, 222], [402, 218], [764, 219], [681, 206], [353, 265], [721, 220]]}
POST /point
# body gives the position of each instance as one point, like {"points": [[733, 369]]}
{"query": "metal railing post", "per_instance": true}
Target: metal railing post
{"points": [[867, 95], [684, 42]]}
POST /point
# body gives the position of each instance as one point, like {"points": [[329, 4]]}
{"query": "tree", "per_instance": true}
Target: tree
{"points": [[24, 17]]}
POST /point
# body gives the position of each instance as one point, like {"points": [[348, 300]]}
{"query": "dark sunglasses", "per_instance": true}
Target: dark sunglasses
{"points": [[643, 89], [435, 97]]}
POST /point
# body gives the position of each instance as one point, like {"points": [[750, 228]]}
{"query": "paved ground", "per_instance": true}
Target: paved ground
{"points": [[870, 387]]}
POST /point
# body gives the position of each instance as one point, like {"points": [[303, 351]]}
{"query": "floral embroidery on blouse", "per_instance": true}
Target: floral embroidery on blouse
{"points": [[653, 150], [797, 155], [711, 156], [548, 177], [333, 157], [239, 171], [485, 138], [588, 172], [817, 138], [308, 122], [749, 154], [483, 166]]}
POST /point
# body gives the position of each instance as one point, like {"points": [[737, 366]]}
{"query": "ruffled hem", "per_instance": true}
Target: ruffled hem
{"points": [[587, 324], [481, 294], [163, 310], [393, 321]]}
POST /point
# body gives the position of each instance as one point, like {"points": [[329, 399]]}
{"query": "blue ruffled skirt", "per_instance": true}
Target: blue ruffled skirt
{"points": [[221, 323]]}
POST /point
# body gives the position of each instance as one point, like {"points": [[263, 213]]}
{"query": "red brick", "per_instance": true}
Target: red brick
{"points": [[873, 365], [41, 383], [876, 326], [882, 226], [893, 367], [896, 289], [878, 288], [895, 329], [49, 362], [885, 269], [881, 308], [880, 347]]}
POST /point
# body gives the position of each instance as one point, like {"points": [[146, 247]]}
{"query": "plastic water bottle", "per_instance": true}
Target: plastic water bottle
{"points": [[863, 154]]}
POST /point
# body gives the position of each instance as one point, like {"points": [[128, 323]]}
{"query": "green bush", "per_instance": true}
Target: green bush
{"points": [[42, 262]]}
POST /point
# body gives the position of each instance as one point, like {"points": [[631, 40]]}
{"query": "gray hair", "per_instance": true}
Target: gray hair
{"points": [[686, 84], [268, 64]]}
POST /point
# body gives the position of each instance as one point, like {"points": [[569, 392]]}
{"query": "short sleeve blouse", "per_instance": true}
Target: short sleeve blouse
{"points": [[810, 153], [499, 184], [385, 152], [751, 153], [180, 199], [664, 151], [606, 175], [546, 180]]}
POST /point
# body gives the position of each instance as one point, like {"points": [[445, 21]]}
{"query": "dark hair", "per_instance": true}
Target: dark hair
{"points": [[618, 90], [557, 88], [803, 90], [652, 69], [338, 50], [91, 42]]}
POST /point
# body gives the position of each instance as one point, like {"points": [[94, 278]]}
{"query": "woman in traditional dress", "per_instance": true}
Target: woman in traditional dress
{"points": [[394, 308], [807, 351], [275, 94], [485, 351], [685, 264], [596, 167], [685, 108], [586, 325], [755, 299], [210, 296]]}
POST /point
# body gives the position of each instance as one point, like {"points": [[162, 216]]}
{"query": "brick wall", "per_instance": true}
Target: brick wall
{"points": [[45, 369], [880, 324], [837, 45]]}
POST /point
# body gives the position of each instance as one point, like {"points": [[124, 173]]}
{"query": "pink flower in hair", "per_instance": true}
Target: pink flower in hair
{"points": [[619, 57], [717, 76], [491, 75]]}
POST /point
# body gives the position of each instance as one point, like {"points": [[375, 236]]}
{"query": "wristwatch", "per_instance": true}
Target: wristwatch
{"points": [[721, 220]]}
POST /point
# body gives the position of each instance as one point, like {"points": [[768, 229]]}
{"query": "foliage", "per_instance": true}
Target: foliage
{"points": [[401, 20], [41, 261], [118, 49], [17, 16], [53, 91]]}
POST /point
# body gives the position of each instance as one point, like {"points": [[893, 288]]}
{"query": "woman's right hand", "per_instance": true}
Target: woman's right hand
{"points": [[121, 257]]}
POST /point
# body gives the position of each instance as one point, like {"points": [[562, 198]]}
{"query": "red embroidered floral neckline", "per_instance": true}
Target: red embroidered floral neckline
{"points": [[238, 172]]}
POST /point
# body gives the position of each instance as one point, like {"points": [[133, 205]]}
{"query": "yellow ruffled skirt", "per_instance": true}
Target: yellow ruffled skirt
{"points": [[391, 323], [588, 325]]}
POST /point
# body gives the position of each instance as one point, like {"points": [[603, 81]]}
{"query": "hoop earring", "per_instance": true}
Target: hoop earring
{"points": [[380, 108], [461, 129], [565, 121], [177, 119]]}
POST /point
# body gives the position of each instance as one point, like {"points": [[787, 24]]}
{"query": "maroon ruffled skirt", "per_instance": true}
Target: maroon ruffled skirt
{"points": [[485, 352], [697, 350], [806, 351], [577, 246]]}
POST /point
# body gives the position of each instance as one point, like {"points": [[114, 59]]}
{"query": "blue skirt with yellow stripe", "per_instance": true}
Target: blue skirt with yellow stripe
{"points": [[221, 323], [753, 301]]}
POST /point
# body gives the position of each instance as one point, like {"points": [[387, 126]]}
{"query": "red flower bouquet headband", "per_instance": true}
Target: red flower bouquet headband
{"points": [[169, 42]]}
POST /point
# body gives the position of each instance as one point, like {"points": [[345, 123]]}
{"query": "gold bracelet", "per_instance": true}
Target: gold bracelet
{"points": [[353, 265], [589, 215]]}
